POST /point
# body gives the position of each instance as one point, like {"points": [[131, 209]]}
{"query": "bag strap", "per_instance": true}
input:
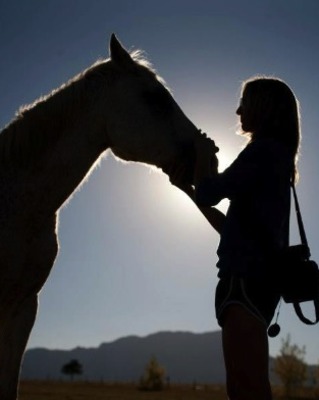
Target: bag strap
{"points": [[304, 319], [301, 227], [304, 241]]}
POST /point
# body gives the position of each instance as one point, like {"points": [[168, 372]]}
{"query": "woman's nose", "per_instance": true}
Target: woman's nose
{"points": [[239, 110]]}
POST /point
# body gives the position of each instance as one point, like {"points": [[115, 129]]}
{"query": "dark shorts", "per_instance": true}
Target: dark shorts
{"points": [[257, 296]]}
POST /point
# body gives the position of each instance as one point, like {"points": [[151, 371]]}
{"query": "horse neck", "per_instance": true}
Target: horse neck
{"points": [[53, 146], [70, 111]]}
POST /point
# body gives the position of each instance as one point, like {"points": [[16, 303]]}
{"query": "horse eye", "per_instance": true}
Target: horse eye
{"points": [[159, 100]]}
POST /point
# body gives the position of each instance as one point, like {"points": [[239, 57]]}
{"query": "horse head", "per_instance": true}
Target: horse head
{"points": [[145, 124]]}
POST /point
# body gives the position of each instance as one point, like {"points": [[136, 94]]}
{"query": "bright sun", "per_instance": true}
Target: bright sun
{"points": [[176, 202]]}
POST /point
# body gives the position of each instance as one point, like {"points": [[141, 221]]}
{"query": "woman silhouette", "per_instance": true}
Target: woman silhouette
{"points": [[255, 228]]}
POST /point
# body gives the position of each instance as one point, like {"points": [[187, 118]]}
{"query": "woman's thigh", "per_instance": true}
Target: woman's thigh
{"points": [[255, 295], [246, 354]]}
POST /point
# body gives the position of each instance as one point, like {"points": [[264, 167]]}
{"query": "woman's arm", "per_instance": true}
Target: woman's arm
{"points": [[215, 217]]}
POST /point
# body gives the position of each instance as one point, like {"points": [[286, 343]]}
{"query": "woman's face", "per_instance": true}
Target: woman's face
{"points": [[245, 114]]}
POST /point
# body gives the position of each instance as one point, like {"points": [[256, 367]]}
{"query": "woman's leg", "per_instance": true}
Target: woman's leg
{"points": [[246, 355]]}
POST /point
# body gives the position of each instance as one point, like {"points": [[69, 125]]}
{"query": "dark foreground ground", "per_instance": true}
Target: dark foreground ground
{"points": [[50, 390], [43, 390]]}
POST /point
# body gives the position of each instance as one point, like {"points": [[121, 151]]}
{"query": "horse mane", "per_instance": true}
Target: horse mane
{"points": [[38, 125]]}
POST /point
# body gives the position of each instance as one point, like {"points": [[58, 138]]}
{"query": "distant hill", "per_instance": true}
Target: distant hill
{"points": [[187, 357]]}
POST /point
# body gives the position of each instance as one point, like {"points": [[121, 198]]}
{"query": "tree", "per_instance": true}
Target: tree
{"points": [[290, 366], [72, 368], [315, 380], [153, 378]]}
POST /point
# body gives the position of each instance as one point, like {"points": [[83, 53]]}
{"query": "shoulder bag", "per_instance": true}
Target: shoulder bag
{"points": [[299, 275]]}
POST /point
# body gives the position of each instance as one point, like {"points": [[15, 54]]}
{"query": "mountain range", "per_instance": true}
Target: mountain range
{"points": [[186, 357]]}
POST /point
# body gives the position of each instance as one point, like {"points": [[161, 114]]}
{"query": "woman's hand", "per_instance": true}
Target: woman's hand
{"points": [[205, 146], [206, 150], [206, 165]]}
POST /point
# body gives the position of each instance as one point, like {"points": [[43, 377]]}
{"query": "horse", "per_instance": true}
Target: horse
{"points": [[120, 105]]}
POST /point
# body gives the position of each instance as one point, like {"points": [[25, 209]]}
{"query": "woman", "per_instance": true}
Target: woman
{"points": [[255, 229]]}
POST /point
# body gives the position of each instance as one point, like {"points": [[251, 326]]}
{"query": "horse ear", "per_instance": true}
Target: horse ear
{"points": [[117, 52]]}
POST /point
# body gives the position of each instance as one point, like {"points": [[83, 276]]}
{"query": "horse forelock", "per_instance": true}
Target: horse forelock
{"points": [[141, 61]]}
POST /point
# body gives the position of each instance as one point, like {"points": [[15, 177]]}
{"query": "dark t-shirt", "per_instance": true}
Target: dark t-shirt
{"points": [[257, 184]]}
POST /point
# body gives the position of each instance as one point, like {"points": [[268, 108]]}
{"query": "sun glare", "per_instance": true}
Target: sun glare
{"points": [[225, 158], [176, 204], [174, 201]]}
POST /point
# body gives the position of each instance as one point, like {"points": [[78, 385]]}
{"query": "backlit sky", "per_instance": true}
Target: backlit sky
{"points": [[136, 257]]}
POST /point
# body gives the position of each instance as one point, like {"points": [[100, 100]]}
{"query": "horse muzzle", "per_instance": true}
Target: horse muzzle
{"points": [[186, 155]]}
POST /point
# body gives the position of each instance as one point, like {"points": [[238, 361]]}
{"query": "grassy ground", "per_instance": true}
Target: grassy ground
{"points": [[103, 391], [50, 390]]}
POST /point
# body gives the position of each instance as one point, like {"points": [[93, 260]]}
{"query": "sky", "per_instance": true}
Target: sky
{"points": [[136, 256]]}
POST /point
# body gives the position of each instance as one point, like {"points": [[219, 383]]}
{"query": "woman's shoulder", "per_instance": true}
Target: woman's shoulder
{"points": [[268, 147], [266, 154]]}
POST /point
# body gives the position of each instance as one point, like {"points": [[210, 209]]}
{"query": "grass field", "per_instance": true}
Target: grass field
{"points": [[50, 390], [43, 390]]}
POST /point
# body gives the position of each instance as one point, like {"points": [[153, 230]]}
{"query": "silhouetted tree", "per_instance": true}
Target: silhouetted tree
{"points": [[72, 368], [154, 375], [290, 366]]}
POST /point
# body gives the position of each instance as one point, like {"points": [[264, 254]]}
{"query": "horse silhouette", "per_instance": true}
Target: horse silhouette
{"points": [[119, 104]]}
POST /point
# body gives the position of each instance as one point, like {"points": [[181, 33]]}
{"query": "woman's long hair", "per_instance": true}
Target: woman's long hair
{"points": [[274, 112]]}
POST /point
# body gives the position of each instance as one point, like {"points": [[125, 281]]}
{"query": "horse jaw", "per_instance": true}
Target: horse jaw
{"points": [[154, 151], [157, 149]]}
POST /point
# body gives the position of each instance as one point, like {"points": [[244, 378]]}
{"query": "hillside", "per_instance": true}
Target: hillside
{"points": [[186, 356]]}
